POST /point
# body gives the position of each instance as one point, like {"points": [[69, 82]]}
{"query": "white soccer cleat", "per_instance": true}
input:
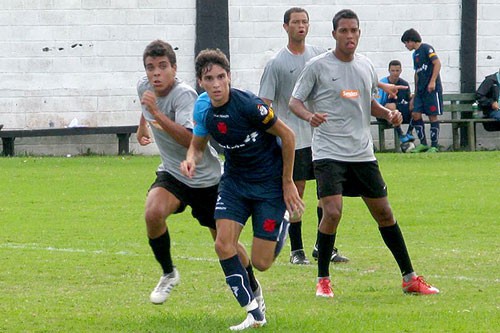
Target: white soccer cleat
{"points": [[260, 299], [164, 287], [249, 322]]}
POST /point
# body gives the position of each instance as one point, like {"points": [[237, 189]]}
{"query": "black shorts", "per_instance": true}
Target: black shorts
{"points": [[202, 200], [303, 166], [352, 179]]}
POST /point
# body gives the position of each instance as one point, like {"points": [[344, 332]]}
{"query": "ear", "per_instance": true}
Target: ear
{"points": [[334, 35], [285, 26]]}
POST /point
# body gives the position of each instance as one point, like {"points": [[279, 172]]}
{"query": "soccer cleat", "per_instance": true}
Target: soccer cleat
{"points": [[260, 298], [420, 148], [324, 288], [336, 256], [298, 257], [419, 286], [164, 287], [404, 139], [249, 322], [410, 137], [432, 150]]}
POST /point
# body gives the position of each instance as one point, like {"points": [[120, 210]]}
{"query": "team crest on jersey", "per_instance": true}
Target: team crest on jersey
{"points": [[222, 127], [266, 111], [349, 93]]}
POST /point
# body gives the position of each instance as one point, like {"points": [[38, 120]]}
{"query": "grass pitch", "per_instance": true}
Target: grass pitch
{"points": [[74, 256]]}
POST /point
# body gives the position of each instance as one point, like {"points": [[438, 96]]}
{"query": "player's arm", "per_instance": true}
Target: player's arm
{"points": [[435, 72], [178, 132], [143, 134], [391, 89], [194, 155], [294, 203], [300, 110], [392, 116]]}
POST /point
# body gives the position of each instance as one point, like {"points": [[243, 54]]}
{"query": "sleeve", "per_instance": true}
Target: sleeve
{"points": [[268, 82], [381, 96], [183, 107], [201, 107], [260, 114], [483, 93], [305, 83]]}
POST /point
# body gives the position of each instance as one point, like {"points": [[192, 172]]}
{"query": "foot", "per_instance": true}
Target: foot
{"points": [[419, 286], [432, 150], [260, 298], [324, 288], [420, 148], [298, 257], [164, 287], [410, 137], [249, 322], [404, 139], [336, 256]]}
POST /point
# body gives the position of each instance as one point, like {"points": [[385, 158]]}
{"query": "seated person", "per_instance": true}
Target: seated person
{"points": [[487, 96], [402, 102]]}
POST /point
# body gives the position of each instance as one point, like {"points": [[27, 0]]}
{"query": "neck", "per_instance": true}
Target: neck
{"points": [[296, 47], [345, 57]]}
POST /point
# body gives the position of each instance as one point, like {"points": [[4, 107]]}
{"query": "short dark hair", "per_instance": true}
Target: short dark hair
{"points": [[344, 14], [159, 48], [394, 63], [209, 57], [411, 35], [289, 12]]}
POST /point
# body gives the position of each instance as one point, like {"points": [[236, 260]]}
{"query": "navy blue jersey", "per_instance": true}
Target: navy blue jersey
{"points": [[239, 126], [422, 63]]}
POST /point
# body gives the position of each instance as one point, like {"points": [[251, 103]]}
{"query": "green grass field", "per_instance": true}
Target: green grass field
{"points": [[74, 256]]}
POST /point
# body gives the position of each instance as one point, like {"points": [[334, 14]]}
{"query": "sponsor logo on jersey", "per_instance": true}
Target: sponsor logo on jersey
{"points": [[349, 94], [222, 127]]}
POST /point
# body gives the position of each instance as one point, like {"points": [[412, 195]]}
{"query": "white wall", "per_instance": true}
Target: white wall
{"points": [[65, 59]]}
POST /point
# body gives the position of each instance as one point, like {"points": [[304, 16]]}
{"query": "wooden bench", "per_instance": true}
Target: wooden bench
{"points": [[459, 109], [122, 132]]}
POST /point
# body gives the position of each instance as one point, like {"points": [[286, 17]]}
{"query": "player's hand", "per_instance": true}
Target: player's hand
{"points": [[431, 86], [188, 168], [143, 135], [317, 119], [395, 118], [392, 89], [294, 203], [149, 101]]}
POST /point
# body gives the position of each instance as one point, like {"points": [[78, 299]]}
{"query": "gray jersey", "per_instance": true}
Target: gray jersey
{"points": [[344, 91], [277, 82], [178, 106]]}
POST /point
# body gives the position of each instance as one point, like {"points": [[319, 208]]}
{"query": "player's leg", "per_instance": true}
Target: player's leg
{"points": [[435, 109], [160, 203], [418, 123]]}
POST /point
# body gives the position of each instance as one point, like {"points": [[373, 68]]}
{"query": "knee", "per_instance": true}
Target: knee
{"points": [[261, 264], [385, 218], [154, 216], [331, 215], [223, 248]]}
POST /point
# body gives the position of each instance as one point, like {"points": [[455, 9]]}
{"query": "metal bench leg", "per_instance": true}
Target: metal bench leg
{"points": [[471, 135], [123, 143], [8, 146], [381, 138]]}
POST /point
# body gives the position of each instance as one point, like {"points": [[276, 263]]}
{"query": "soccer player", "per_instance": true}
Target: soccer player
{"points": [[167, 107], [257, 179], [276, 85], [401, 102], [341, 84], [428, 97]]}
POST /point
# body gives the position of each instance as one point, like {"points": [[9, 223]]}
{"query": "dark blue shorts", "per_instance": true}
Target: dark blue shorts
{"points": [[352, 179], [202, 200], [430, 104], [263, 201]]}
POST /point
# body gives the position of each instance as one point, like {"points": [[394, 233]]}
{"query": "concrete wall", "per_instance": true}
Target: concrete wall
{"points": [[66, 59]]}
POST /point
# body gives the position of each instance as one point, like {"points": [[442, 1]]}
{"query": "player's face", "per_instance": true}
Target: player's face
{"points": [[216, 82], [394, 72], [298, 27], [410, 45], [161, 74], [347, 37]]}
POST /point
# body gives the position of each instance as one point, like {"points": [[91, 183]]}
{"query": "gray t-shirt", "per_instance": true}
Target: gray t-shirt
{"points": [[178, 106], [344, 91], [277, 82]]}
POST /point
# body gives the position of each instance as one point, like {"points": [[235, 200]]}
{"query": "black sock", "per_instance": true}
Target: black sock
{"points": [[251, 277], [394, 240], [295, 233], [325, 249], [161, 250]]}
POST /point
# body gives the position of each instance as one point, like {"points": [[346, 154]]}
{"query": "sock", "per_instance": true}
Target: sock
{"points": [[399, 131], [280, 242], [394, 240], [410, 127], [237, 280], [161, 250], [255, 311], [325, 249], [251, 277], [295, 233], [434, 134], [420, 129], [409, 276]]}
